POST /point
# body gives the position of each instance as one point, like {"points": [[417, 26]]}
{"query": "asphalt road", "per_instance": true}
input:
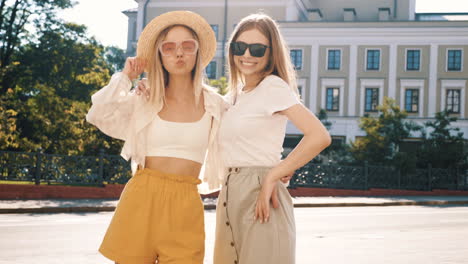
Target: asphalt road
{"points": [[337, 235]]}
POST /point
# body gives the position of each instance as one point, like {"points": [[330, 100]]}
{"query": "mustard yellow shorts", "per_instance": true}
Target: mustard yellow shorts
{"points": [[159, 218]]}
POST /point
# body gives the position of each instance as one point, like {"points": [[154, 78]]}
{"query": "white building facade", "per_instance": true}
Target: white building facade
{"points": [[350, 54]]}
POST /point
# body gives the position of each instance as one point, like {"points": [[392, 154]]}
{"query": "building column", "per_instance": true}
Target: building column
{"points": [[352, 80], [313, 96], [432, 93], [140, 17], [392, 67]]}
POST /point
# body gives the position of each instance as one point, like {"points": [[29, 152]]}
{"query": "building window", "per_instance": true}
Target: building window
{"points": [[338, 141], [454, 60], [299, 89], [412, 100], [413, 60], [334, 59], [333, 99], [211, 70], [453, 101], [371, 99], [296, 58], [134, 35], [373, 60], [215, 29]]}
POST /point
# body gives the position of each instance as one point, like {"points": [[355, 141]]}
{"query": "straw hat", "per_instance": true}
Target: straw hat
{"points": [[206, 37]]}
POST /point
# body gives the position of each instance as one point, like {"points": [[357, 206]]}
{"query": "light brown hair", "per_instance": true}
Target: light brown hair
{"points": [[279, 61]]}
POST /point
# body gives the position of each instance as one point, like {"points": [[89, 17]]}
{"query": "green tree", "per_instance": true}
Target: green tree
{"points": [[115, 56], [444, 146], [9, 135], [47, 75], [15, 15], [383, 136], [338, 152], [54, 78], [221, 84], [65, 59]]}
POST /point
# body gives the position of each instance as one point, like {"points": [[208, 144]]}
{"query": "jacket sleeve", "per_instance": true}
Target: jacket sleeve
{"points": [[112, 107], [212, 174]]}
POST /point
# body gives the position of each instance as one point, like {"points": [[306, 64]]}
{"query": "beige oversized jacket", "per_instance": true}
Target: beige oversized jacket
{"points": [[119, 113]]}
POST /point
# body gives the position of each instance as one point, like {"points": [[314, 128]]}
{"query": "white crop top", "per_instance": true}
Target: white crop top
{"points": [[185, 140]]}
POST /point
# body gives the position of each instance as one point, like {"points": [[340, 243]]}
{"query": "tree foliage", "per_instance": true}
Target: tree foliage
{"points": [[115, 56], [19, 20], [384, 134], [50, 78], [443, 146], [221, 85], [9, 136]]}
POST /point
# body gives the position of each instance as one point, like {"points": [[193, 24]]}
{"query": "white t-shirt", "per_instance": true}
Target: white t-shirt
{"points": [[251, 134]]}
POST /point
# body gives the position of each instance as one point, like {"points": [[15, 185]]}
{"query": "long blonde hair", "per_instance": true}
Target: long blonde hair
{"points": [[158, 76], [279, 61]]}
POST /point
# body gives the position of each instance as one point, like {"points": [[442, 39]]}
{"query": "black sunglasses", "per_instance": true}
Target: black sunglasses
{"points": [[256, 50]]}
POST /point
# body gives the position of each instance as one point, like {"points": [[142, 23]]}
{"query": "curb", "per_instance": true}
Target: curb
{"points": [[47, 210], [406, 203], [90, 209]]}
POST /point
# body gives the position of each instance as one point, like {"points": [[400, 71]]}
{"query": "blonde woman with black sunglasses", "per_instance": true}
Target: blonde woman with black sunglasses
{"points": [[263, 97]]}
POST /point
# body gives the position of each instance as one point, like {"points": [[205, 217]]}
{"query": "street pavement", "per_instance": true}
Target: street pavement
{"points": [[334, 235], [103, 205]]}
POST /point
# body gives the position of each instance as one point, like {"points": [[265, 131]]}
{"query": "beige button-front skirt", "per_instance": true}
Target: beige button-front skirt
{"points": [[241, 240]]}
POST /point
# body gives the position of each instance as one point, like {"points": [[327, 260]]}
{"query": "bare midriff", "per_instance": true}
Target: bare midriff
{"points": [[174, 165]]}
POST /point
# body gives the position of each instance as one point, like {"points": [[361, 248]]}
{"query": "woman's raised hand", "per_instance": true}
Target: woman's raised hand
{"points": [[134, 67]]}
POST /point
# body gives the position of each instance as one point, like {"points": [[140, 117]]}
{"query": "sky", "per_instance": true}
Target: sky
{"points": [[105, 20]]}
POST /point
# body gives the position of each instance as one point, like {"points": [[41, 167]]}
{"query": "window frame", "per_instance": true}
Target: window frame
{"points": [[376, 96], [333, 101], [366, 59], [215, 69], [302, 58], [411, 100], [215, 31], [447, 100], [406, 59], [328, 59], [447, 60]]}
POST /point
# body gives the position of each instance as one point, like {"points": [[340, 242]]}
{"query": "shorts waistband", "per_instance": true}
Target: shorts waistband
{"points": [[235, 170], [168, 176]]}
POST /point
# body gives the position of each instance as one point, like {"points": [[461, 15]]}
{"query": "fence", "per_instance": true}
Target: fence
{"points": [[369, 176], [98, 170], [63, 169]]}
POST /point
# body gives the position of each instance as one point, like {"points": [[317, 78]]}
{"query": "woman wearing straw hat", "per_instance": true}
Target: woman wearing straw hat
{"points": [[169, 134], [263, 96]]}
